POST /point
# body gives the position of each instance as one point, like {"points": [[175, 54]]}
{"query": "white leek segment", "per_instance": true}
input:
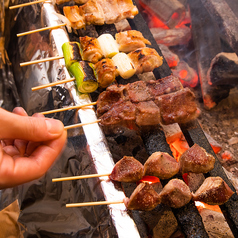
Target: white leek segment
{"points": [[108, 45], [125, 67]]}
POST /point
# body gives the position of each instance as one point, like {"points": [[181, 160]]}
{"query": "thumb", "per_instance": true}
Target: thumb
{"points": [[13, 126]]}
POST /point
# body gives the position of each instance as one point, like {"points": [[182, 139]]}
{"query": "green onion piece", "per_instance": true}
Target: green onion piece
{"points": [[71, 53], [84, 76]]}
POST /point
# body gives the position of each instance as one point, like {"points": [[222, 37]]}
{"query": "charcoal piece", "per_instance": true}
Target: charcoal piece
{"points": [[223, 69], [206, 40], [226, 20], [171, 12], [190, 221]]}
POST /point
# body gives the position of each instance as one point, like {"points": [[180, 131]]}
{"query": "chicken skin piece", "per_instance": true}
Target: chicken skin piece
{"points": [[145, 59], [130, 40], [105, 72], [128, 170], [175, 193], [196, 160], [144, 198], [213, 191], [75, 15], [90, 49], [93, 13], [161, 165]]}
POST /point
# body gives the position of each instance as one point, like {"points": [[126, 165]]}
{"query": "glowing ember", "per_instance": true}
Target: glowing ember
{"points": [[183, 74], [149, 179], [178, 147], [201, 205], [226, 155]]}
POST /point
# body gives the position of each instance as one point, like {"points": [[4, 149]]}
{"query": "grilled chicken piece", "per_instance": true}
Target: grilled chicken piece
{"points": [[93, 13], [213, 191], [127, 170], [111, 11], [105, 72], [175, 194], [145, 59], [177, 107], [196, 160], [131, 40], [143, 198], [76, 1], [138, 92], [147, 114], [75, 15], [90, 49], [161, 165], [127, 9], [163, 86]]}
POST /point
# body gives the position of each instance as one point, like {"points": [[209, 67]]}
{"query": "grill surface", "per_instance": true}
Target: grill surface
{"points": [[188, 216]]}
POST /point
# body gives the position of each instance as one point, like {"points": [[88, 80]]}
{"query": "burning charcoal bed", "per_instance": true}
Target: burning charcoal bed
{"points": [[109, 147]]}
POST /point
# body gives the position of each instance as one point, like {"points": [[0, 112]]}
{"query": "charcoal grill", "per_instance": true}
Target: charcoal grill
{"points": [[188, 216]]}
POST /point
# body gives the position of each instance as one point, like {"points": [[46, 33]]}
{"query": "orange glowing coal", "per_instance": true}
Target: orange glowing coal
{"points": [[149, 179], [178, 147], [201, 205]]}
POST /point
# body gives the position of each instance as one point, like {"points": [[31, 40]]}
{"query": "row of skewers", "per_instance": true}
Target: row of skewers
{"points": [[176, 193], [144, 197]]}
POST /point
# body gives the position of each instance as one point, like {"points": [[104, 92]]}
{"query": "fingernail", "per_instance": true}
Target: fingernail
{"points": [[53, 126]]}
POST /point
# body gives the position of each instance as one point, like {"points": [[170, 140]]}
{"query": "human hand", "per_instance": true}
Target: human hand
{"points": [[28, 146]]}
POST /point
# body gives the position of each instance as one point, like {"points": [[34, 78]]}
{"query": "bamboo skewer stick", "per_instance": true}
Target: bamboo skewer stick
{"points": [[84, 204], [27, 4], [68, 108], [81, 124], [41, 29], [52, 84], [79, 177], [41, 60]]}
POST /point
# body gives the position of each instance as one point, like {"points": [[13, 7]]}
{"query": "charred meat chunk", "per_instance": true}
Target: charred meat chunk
{"points": [[130, 40], [161, 165], [163, 86], [196, 160], [177, 107], [138, 92], [175, 193], [122, 113], [144, 198], [108, 98], [147, 113], [213, 191], [145, 59], [128, 170]]}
